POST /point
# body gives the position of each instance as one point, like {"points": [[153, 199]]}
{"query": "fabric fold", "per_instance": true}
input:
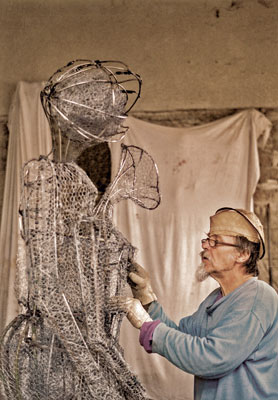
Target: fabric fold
{"points": [[29, 137]]}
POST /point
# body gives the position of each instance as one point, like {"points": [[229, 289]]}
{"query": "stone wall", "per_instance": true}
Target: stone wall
{"points": [[96, 162], [266, 200], [190, 53], [4, 135]]}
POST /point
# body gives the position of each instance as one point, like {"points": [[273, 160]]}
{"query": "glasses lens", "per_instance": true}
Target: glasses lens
{"points": [[211, 242]]}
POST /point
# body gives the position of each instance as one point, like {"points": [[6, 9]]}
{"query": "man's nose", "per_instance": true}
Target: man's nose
{"points": [[205, 244]]}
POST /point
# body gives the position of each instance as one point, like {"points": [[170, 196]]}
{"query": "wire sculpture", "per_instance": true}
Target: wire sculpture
{"points": [[90, 99], [71, 258]]}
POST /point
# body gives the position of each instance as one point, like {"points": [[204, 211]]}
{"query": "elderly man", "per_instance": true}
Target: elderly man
{"points": [[230, 343]]}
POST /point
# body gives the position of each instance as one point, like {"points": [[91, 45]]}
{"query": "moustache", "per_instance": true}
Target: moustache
{"points": [[204, 255]]}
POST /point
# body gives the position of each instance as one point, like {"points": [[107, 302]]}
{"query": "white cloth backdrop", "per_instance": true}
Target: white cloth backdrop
{"points": [[201, 169], [29, 137]]}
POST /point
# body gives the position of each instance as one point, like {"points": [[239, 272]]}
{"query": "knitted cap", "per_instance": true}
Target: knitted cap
{"points": [[238, 222]]}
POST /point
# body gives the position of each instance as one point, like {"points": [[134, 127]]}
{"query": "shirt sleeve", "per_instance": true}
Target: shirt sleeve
{"points": [[156, 312], [222, 350], [186, 324]]}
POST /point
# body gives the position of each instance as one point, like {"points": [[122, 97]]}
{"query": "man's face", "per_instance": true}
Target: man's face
{"points": [[219, 259]]}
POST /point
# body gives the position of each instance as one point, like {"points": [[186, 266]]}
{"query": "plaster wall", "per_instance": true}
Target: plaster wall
{"points": [[189, 53]]}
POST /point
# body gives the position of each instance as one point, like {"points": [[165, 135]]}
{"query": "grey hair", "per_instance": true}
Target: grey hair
{"points": [[254, 249]]}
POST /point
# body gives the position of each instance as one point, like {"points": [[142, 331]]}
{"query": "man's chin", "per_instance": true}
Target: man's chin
{"points": [[201, 274]]}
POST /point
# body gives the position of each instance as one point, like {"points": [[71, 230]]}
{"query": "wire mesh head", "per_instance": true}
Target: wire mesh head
{"points": [[89, 100]]}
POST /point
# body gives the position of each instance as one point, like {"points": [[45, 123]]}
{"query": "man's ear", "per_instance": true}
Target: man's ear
{"points": [[243, 256]]}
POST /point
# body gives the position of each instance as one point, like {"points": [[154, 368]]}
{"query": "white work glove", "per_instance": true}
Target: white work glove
{"points": [[141, 285], [135, 312]]}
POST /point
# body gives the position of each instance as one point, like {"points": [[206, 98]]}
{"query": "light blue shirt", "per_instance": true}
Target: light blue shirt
{"points": [[231, 345]]}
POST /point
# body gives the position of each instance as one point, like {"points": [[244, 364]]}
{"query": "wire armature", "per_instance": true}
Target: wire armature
{"points": [[71, 261]]}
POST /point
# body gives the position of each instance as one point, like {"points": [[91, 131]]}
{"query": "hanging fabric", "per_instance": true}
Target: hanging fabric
{"points": [[29, 137], [201, 169]]}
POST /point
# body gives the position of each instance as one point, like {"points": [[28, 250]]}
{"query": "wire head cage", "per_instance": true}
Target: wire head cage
{"points": [[90, 99]]}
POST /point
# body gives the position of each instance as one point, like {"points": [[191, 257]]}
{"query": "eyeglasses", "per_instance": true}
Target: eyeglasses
{"points": [[214, 242]]}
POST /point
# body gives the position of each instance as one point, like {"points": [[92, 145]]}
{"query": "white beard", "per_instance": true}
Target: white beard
{"points": [[201, 274]]}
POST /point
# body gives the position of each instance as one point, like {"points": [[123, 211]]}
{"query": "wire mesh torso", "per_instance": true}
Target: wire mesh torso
{"points": [[73, 261]]}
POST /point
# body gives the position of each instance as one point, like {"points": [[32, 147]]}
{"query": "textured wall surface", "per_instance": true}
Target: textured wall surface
{"points": [[266, 201], [4, 136], [190, 53]]}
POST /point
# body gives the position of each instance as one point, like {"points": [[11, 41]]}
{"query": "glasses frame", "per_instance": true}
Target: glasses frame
{"points": [[217, 243]]}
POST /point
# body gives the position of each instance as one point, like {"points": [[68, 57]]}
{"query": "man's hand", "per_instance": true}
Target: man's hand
{"points": [[141, 285], [134, 310]]}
